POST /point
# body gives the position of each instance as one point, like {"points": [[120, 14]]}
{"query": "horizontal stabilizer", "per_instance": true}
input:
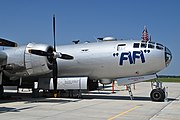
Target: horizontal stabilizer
{"points": [[131, 80], [4, 42]]}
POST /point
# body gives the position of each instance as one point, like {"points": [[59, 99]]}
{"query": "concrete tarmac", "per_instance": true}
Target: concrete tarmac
{"points": [[95, 105]]}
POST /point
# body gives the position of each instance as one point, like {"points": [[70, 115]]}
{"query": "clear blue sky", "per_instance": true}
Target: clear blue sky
{"points": [[27, 21]]}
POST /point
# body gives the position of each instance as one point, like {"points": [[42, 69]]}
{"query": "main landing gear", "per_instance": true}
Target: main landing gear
{"points": [[158, 93]]}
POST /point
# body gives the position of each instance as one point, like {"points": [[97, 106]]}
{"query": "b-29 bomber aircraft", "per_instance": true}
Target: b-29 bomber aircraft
{"points": [[124, 61]]}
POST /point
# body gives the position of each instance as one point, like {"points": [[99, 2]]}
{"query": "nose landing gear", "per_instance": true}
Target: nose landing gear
{"points": [[159, 93]]}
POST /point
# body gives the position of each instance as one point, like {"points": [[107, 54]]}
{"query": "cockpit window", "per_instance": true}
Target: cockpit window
{"points": [[159, 46], [152, 42], [168, 56], [143, 45], [136, 45], [151, 45]]}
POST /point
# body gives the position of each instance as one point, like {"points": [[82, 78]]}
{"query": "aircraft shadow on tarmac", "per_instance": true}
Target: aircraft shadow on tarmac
{"points": [[107, 95], [27, 97], [56, 100], [11, 109], [136, 98]]}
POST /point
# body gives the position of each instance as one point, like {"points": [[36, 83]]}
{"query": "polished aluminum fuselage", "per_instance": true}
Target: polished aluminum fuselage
{"points": [[102, 60], [99, 60]]}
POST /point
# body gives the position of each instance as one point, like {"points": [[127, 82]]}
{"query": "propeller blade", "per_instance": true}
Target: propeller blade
{"points": [[4, 42], [54, 32], [66, 57], [55, 56], [55, 74], [40, 52]]}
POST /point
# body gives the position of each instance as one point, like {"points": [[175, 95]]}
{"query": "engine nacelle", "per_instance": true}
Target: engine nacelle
{"points": [[37, 65], [22, 63]]}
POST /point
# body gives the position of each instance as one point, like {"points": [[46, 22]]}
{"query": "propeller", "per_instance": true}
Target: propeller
{"points": [[54, 60], [4, 42], [54, 55]]}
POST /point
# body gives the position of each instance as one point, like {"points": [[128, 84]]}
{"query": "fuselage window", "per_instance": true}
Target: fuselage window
{"points": [[136, 45], [150, 45], [121, 46], [159, 46], [152, 42], [143, 45]]}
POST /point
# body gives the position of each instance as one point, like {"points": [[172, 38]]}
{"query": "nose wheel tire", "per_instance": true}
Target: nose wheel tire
{"points": [[157, 95]]}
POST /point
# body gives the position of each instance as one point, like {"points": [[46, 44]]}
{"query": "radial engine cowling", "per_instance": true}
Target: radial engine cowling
{"points": [[37, 65], [22, 63]]}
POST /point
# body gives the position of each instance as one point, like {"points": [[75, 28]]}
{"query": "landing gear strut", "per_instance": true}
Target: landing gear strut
{"points": [[1, 85], [35, 93], [158, 93], [1, 91], [130, 92], [35, 90]]}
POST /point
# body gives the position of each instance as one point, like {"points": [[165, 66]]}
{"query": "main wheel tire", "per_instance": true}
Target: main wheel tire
{"points": [[157, 95]]}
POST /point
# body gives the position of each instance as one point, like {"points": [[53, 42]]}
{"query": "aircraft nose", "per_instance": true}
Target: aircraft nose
{"points": [[168, 56]]}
